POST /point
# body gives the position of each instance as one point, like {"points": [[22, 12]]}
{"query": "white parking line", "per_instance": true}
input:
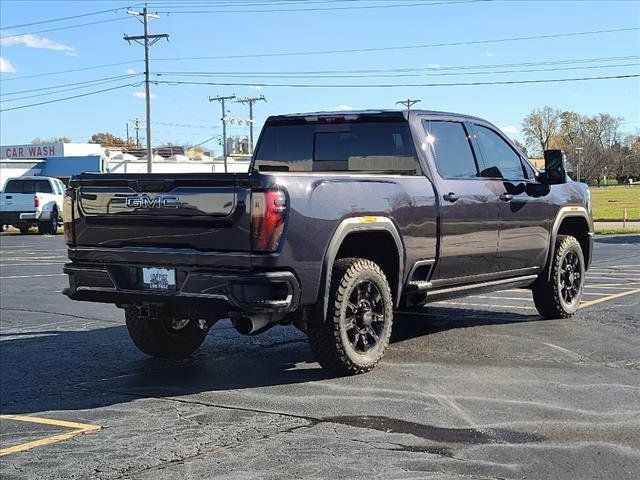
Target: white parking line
{"points": [[31, 276], [486, 305], [30, 264]]}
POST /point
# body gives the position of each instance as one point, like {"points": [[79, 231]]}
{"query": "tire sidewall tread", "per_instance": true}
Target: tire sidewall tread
{"points": [[328, 339]]}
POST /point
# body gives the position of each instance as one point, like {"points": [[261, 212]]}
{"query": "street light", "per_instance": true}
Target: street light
{"points": [[578, 151]]}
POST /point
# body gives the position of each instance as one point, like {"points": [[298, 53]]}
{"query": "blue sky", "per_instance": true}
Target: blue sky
{"points": [[182, 113]]}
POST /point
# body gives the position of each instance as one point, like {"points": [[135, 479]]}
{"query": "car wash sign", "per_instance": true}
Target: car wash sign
{"points": [[43, 150]]}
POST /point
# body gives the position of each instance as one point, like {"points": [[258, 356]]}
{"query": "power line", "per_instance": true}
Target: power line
{"points": [[59, 72], [408, 47], [319, 9], [394, 75], [60, 19], [70, 98], [92, 85], [53, 87], [438, 68], [393, 85], [63, 28]]}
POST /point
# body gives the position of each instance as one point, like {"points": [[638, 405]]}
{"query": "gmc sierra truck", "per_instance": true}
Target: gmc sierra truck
{"points": [[342, 219]]}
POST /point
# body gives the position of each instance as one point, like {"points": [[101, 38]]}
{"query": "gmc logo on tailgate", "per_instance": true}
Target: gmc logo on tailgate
{"points": [[155, 201]]}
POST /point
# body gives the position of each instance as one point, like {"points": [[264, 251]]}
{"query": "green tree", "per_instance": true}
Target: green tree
{"points": [[521, 146]]}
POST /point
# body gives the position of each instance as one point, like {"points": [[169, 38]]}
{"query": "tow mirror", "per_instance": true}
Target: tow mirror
{"points": [[554, 169]]}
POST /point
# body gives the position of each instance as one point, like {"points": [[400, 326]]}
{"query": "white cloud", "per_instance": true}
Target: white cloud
{"points": [[34, 41], [433, 65], [255, 87], [488, 54], [510, 129], [142, 95], [130, 71], [6, 67], [343, 107]]}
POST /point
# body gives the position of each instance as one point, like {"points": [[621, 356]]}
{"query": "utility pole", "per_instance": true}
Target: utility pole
{"points": [[128, 134], [578, 151], [146, 41], [407, 103], [136, 127], [250, 101], [224, 125]]}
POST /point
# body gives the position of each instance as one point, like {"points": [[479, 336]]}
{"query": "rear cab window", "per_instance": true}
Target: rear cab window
{"points": [[28, 186], [365, 145]]}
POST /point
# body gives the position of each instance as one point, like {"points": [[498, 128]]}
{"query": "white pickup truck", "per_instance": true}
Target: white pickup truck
{"points": [[29, 201]]}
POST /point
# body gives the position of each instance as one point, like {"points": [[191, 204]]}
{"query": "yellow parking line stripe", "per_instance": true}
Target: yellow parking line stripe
{"points": [[609, 297], [78, 428]]}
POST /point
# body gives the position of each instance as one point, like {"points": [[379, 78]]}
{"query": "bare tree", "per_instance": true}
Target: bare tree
{"points": [[542, 129]]}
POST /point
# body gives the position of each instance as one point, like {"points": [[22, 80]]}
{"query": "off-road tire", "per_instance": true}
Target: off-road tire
{"points": [[329, 340], [24, 229], [547, 294], [154, 336]]}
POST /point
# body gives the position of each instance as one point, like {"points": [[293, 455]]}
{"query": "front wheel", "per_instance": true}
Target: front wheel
{"points": [[163, 336], [356, 332], [559, 295]]}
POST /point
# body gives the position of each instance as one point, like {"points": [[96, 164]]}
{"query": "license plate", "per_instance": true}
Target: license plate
{"points": [[159, 278]]}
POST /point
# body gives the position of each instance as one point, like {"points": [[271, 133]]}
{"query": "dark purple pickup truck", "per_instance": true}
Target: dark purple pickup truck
{"points": [[342, 219]]}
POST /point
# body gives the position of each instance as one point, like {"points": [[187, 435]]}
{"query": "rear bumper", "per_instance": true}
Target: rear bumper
{"points": [[245, 291], [12, 218]]}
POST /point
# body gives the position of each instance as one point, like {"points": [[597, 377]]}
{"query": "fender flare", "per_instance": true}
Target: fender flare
{"points": [[359, 224], [563, 214]]}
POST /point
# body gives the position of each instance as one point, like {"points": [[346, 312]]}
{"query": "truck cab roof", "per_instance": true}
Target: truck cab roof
{"points": [[356, 114]]}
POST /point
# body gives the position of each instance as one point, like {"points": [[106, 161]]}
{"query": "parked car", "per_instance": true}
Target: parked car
{"points": [[32, 201], [342, 219]]}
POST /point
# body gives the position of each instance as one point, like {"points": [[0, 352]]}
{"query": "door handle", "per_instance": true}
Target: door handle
{"points": [[450, 197], [506, 197]]}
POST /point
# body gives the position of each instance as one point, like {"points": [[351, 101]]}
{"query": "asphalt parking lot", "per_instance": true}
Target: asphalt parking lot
{"points": [[474, 388]]}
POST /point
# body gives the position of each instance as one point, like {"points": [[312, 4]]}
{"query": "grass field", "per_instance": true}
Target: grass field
{"points": [[609, 202]]}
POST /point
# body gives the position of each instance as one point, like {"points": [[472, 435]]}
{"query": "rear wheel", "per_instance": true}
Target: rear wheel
{"points": [[559, 296], [163, 335], [50, 226], [356, 332]]}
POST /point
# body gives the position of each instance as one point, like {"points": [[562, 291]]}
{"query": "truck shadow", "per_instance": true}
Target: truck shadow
{"points": [[83, 369]]}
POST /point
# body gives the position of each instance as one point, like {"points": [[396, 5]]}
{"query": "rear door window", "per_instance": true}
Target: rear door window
{"points": [[344, 147], [451, 149]]}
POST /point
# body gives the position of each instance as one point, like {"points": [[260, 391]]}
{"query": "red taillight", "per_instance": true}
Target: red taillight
{"points": [[36, 202], [268, 211]]}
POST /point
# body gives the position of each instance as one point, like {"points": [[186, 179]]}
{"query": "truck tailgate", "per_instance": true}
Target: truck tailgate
{"points": [[17, 202], [204, 212]]}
